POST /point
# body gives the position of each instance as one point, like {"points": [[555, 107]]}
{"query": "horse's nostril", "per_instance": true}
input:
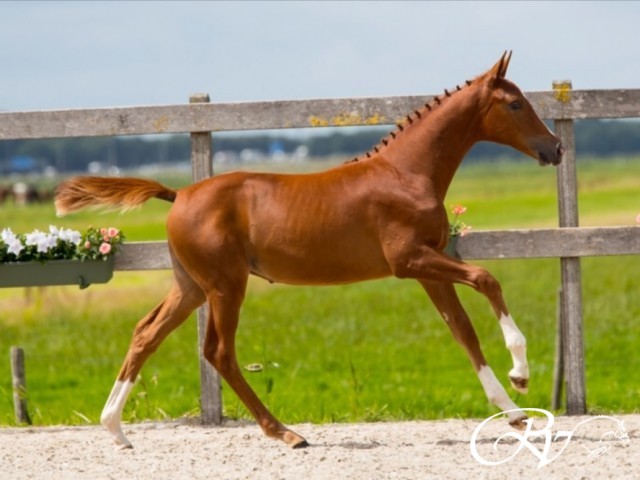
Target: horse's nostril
{"points": [[560, 150]]}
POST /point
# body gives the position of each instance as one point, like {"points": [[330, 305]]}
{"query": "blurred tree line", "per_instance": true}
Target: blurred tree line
{"points": [[593, 138]]}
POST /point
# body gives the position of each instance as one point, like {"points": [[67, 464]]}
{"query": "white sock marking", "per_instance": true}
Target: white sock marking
{"points": [[517, 345], [496, 392], [112, 412]]}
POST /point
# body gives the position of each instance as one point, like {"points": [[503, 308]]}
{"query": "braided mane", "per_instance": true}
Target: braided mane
{"points": [[416, 116]]}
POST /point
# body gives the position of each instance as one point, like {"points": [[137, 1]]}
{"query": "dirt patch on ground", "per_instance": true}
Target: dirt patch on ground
{"points": [[407, 450]]}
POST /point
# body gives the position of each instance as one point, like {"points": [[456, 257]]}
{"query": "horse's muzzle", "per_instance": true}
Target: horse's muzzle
{"points": [[551, 156]]}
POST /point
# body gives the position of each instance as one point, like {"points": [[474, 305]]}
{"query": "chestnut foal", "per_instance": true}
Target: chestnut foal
{"points": [[381, 214]]}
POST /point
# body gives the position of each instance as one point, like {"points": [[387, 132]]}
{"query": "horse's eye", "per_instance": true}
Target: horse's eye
{"points": [[515, 105]]}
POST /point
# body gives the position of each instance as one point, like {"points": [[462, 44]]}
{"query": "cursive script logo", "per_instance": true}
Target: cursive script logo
{"points": [[513, 443]]}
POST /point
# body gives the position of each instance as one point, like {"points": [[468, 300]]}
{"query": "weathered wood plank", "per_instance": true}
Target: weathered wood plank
{"points": [[478, 245], [143, 256], [550, 243], [558, 360], [206, 117], [573, 335], [216, 117], [570, 268], [210, 388], [567, 176], [98, 122], [602, 104], [19, 383]]}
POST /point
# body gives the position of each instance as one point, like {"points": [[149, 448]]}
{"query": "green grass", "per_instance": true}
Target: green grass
{"points": [[369, 351], [522, 194]]}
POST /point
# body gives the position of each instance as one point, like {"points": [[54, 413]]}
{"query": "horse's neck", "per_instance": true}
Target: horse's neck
{"points": [[435, 142]]}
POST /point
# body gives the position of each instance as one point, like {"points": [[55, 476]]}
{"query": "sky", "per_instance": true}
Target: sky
{"points": [[61, 55]]}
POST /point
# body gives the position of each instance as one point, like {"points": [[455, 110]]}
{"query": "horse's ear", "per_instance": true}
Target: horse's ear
{"points": [[499, 70]]}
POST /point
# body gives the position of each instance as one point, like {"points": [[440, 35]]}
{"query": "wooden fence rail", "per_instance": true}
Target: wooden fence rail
{"points": [[476, 245], [219, 117], [199, 118]]}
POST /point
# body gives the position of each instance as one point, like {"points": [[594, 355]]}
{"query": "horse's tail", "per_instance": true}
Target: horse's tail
{"points": [[114, 193]]}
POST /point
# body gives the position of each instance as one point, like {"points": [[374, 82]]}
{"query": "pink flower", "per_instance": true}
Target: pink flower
{"points": [[456, 227], [638, 218], [87, 244], [113, 232], [106, 238], [458, 209], [103, 231], [105, 248]]}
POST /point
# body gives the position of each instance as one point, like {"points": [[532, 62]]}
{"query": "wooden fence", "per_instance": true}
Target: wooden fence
{"points": [[200, 117]]}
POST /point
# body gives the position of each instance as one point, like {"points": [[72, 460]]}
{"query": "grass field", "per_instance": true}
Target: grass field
{"points": [[369, 351]]}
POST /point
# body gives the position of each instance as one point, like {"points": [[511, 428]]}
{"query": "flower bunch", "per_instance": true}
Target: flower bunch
{"points": [[59, 244], [456, 227], [100, 243]]}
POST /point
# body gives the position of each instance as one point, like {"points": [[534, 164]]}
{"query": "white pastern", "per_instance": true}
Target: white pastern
{"points": [[517, 345], [111, 416], [496, 392]]}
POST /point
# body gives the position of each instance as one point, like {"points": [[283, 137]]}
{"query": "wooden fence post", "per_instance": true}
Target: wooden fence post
{"points": [[571, 298], [19, 382], [210, 394], [558, 362]]}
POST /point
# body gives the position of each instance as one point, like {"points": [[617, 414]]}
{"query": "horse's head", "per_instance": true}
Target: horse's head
{"points": [[509, 118]]}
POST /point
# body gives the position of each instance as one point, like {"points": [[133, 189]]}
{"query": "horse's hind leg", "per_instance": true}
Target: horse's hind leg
{"points": [[225, 300], [445, 298], [183, 298]]}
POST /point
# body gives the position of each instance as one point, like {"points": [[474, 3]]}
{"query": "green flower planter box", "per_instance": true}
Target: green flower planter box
{"points": [[56, 272], [452, 247]]}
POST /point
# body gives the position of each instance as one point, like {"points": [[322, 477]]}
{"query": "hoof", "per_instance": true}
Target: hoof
{"points": [[302, 444], [519, 423], [294, 440], [521, 385]]}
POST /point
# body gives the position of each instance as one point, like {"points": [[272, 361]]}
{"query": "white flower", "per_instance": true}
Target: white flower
{"points": [[7, 235], [33, 237], [42, 241], [15, 246], [72, 236]]}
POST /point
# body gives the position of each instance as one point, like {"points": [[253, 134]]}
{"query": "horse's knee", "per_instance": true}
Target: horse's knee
{"points": [[486, 283]]}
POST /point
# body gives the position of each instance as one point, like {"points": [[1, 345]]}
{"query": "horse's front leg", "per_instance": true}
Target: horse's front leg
{"points": [[485, 283], [517, 345], [424, 263], [445, 299]]}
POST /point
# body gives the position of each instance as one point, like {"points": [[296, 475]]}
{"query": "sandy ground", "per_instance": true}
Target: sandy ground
{"points": [[407, 450]]}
